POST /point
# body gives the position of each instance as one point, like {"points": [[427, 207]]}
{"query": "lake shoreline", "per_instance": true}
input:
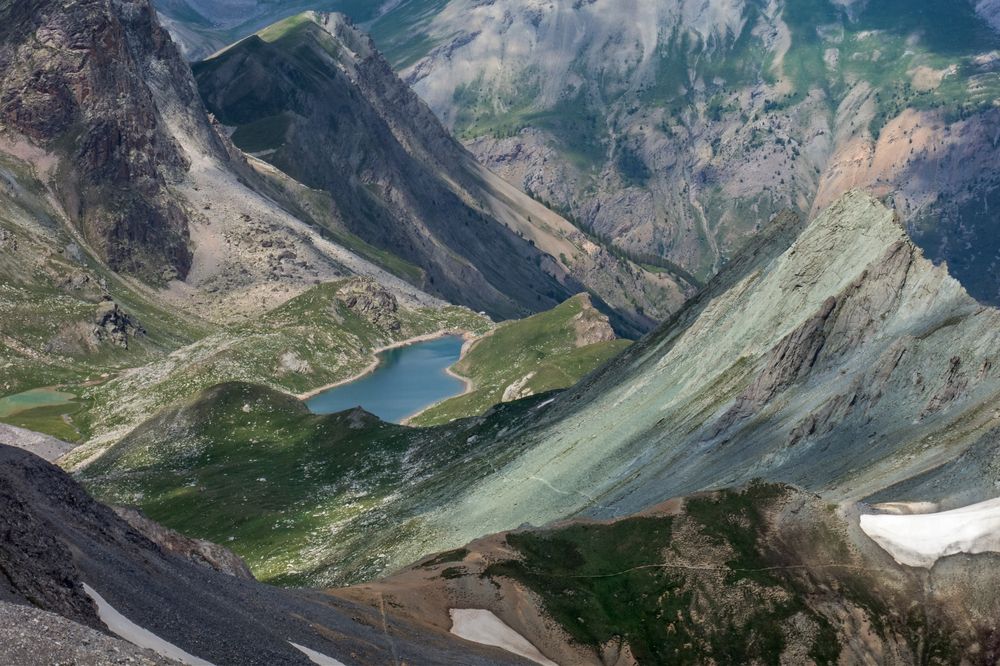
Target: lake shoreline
{"points": [[467, 336], [469, 384]]}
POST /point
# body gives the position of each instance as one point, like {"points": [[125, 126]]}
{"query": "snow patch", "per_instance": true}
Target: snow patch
{"points": [[316, 657], [124, 628], [482, 626], [921, 539]]}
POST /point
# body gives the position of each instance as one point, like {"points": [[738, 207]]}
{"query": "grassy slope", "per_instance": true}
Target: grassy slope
{"points": [[720, 582], [55, 377], [305, 499], [310, 341], [544, 344], [268, 480], [49, 291]]}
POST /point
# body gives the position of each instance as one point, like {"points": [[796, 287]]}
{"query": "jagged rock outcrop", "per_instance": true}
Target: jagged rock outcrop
{"points": [[591, 325], [73, 81], [518, 389], [114, 325], [372, 302], [199, 551], [8, 240]]}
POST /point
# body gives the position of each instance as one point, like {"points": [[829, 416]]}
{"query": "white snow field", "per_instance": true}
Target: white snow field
{"points": [[482, 626], [921, 539], [316, 657], [124, 628]]}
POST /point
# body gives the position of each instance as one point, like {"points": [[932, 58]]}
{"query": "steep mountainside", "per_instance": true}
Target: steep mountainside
{"points": [[763, 574], [677, 128], [845, 364], [835, 357], [57, 540], [75, 83], [311, 96], [710, 116]]}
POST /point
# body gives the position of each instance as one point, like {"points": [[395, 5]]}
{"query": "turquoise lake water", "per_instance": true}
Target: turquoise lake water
{"points": [[407, 380]]}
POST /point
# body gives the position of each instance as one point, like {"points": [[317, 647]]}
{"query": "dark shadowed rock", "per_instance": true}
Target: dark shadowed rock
{"points": [[114, 325]]}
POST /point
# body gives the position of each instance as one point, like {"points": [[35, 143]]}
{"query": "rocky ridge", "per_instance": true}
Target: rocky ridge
{"points": [[199, 551], [847, 363], [398, 180], [374, 303], [712, 116]]}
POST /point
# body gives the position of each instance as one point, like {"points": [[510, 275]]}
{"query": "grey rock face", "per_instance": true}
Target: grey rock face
{"points": [[73, 81], [372, 302], [8, 241], [44, 446], [199, 551]]}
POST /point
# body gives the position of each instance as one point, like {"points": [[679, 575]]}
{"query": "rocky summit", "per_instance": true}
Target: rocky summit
{"points": [[82, 82], [679, 310]]}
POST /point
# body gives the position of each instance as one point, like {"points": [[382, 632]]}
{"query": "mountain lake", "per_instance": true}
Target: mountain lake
{"points": [[407, 380]]}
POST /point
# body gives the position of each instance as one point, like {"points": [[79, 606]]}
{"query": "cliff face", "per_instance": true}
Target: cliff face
{"points": [[76, 81]]}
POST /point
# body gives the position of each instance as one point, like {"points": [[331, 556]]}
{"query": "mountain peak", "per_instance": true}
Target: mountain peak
{"points": [[294, 31], [784, 375]]}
